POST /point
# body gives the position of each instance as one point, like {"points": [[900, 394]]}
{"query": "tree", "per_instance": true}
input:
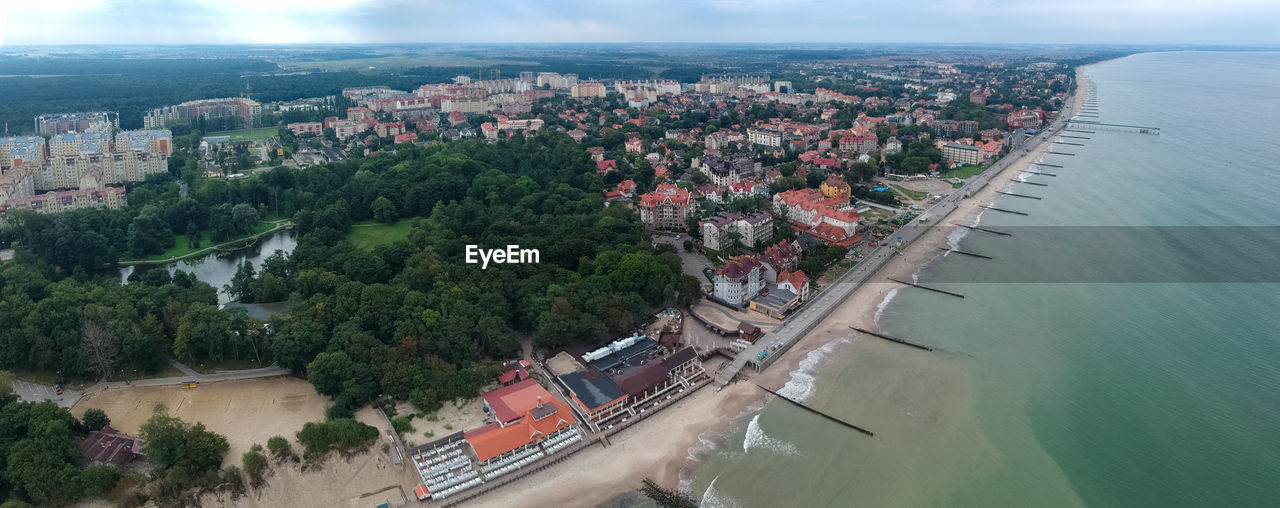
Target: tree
{"points": [[97, 342], [328, 371], [180, 449], [95, 419], [690, 290], [243, 218], [384, 210], [241, 287]]}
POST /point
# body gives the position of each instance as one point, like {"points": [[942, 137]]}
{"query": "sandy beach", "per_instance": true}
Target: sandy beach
{"points": [[659, 447]]}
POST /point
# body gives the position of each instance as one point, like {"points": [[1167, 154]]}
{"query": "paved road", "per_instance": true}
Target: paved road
{"points": [[819, 308], [36, 392]]}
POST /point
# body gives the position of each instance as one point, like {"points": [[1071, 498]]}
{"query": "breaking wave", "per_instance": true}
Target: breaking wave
{"points": [[756, 438], [800, 386], [713, 498], [884, 304]]}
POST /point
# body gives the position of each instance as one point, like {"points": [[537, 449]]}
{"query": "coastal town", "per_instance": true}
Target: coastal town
{"points": [[772, 199]]}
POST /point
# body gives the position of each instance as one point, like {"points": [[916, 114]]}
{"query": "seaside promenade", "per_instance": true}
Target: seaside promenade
{"points": [[810, 315]]}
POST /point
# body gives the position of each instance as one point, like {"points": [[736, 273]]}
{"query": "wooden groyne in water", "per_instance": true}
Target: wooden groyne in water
{"points": [[936, 290], [1080, 131], [1066, 143], [992, 231], [1037, 184], [893, 339], [819, 413], [957, 251], [1061, 153], [1018, 195], [1047, 165], [1039, 173], [1005, 211], [1074, 137]]}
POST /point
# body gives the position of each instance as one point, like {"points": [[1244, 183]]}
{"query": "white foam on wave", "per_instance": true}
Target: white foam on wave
{"points": [[713, 498], [756, 438], [800, 386], [884, 304], [953, 239]]}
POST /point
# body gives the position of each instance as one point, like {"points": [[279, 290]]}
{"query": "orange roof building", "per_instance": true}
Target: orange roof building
{"points": [[525, 412]]}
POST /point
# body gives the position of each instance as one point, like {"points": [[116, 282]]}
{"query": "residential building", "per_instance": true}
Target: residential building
{"points": [[835, 187], [830, 218], [588, 90], [666, 207], [962, 154], [557, 81], [300, 128], [85, 121], [892, 145], [779, 258], [796, 282], [727, 170], [954, 128], [738, 280], [245, 109], [751, 228], [861, 143]]}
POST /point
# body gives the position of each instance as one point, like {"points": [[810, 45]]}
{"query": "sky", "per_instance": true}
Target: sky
{"points": [[1158, 22]]}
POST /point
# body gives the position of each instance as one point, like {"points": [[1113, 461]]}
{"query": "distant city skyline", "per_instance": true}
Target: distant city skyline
{"points": [[1194, 22]]}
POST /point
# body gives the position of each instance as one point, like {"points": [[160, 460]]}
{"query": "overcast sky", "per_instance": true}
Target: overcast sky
{"points": [[1230, 22]]}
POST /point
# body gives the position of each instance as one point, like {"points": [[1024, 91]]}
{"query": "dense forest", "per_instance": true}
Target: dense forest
{"points": [[409, 319]]}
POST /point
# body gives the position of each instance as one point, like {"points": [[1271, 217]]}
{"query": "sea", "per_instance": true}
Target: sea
{"points": [[1122, 347]]}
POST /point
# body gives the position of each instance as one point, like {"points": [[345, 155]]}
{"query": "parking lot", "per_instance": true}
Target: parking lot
{"points": [[35, 392]]}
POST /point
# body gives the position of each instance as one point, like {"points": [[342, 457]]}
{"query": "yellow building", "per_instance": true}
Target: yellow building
{"points": [[835, 187]]}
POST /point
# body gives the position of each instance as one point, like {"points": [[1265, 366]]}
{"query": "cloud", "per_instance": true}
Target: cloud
{"points": [[390, 21]]}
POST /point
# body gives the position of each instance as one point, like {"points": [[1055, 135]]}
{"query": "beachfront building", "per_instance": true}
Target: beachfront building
{"points": [[529, 424], [625, 378], [738, 280], [666, 207]]}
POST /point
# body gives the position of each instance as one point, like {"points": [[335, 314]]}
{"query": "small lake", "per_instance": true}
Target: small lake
{"points": [[218, 270]]}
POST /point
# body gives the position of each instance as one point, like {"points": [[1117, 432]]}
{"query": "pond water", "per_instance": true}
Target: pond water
{"points": [[218, 270]]}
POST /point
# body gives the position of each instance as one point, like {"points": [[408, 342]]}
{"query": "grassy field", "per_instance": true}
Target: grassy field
{"points": [[369, 234], [258, 134], [214, 367], [180, 247], [913, 194], [964, 172]]}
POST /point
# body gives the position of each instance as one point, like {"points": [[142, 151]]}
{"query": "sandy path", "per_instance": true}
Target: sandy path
{"points": [[659, 446]]}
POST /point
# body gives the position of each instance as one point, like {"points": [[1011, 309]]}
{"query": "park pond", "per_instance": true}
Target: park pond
{"points": [[217, 270]]}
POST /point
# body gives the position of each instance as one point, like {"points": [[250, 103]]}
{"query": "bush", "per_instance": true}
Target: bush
{"points": [[255, 465], [343, 434], [279, 447], [402, 425], [95, 419]]}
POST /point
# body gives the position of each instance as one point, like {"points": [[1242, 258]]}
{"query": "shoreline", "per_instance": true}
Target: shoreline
{"points": [[663, 447]]}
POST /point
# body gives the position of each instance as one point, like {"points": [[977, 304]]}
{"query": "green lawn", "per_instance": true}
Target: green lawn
{"points": [[180, 247], [964, 172], [258, 134], [369, 234], [911, 193], [214, 367]]}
